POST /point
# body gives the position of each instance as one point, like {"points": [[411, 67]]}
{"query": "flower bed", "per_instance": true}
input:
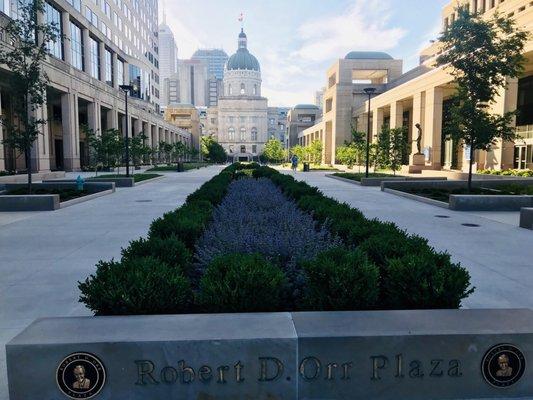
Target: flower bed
{"points": [[136, 177], [443, 194], [64, 194], [526, 173], [173, 168], [354, 176], [272, 244]]}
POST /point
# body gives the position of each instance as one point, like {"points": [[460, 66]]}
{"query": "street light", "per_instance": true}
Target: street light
{"points": [[369, 92], [127, 89]]}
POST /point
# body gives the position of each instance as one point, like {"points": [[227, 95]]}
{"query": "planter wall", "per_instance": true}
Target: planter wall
{"points": [[526, 218], [119, 182], [460, 202], [40, 202], [439, 184]]}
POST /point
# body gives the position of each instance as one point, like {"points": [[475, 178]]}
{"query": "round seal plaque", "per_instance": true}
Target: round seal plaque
{"points": [[81, 376], [503, 365]]}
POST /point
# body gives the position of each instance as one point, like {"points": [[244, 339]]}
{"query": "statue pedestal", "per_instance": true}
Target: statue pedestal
{"points": [[417, 160]]}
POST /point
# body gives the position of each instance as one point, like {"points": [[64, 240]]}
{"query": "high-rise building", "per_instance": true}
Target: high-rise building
{"points": [[215, 59], [168, 58], [319, 98], [277, 122], [104, 44], [192, 76]]}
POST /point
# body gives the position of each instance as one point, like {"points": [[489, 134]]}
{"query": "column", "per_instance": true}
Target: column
{"points": [[126, 73], [2, 159], [40, 153], [65, 25], [112, 119], [377, 123], [507, 100], [71, 142], [433, 125], [87, 57], [115, 70], [396, 114], [101, 50], [93, 117]]}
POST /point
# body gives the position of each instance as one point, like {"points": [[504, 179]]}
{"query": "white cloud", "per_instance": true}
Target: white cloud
{"points": [[364, 26]]}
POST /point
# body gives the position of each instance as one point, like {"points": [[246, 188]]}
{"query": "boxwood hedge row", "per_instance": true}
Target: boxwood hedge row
{"points": [[376, 266]]}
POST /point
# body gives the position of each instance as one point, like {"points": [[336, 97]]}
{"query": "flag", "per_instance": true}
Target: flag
{"points": [[241, 17]]}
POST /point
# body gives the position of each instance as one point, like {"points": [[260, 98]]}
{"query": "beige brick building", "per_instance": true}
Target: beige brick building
{"points": [[421, 96]]}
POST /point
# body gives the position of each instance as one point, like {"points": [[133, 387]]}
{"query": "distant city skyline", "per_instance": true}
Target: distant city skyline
{"points": [[295, 45]]}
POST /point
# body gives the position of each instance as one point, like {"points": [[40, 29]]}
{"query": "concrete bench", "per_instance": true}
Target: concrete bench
{"points": [[400, 355], [526, 218]]}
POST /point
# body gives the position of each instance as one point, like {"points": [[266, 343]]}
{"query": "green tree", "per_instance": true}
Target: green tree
{"points": [[139, 149], [314, 152], [216, 153], [29, 40], [165, 149], [105, 149], [383, 148], [273, 151], [347, 155], [299, 151], [481, 54], [180, 151], [398, 145]]}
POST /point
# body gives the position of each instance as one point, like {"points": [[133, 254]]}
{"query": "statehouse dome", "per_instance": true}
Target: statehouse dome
{"points": [[243, 59], [367, 55]]}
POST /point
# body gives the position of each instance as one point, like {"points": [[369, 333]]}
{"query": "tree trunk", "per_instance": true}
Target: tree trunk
{"points": [[29, 167], [470, 167]]}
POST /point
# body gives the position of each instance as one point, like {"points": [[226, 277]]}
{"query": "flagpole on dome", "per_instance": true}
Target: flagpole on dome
{"points": [[241, 20]]}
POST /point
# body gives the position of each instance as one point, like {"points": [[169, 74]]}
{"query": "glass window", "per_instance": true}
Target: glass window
{"points": [[76, 4], [120, 72], [76, 45], [243, 133], [108, 67], [254, 148], [53, 17], [254, 134], [94, 49], [242, 88], [231, 134]]}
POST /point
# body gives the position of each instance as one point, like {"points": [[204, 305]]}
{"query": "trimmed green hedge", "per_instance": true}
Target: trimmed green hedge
{"points": [[378, 266]]}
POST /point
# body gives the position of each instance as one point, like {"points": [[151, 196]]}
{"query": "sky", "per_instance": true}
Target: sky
{"points": [[297, 41]]}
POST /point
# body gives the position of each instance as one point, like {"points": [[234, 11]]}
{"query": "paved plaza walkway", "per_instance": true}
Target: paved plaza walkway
{"points": [[498, 254], [44, 254]]}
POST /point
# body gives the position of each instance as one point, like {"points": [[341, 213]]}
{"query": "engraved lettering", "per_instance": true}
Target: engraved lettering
{"points": [[187, 373], [314, 364], [436, 371], [399, 366], [329, 369], [238, 372], [169, 375], [205, 373], [346, 371], [221, 370], [145, 368], [265, 376], [454, 369], [378, 363], [415, 370]]}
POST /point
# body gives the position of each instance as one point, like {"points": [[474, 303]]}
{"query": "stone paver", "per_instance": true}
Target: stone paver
{"points": [[498, 254], [43, 255]]}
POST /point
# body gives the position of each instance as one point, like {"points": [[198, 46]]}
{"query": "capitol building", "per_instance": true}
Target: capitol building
{"points": [[239, 122]]}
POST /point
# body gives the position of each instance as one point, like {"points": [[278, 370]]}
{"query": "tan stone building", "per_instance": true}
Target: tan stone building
{"points": [[104, 46], [421, 96], [187, 118]]}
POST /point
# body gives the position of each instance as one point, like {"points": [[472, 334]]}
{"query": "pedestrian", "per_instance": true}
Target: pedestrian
{"points": [[294, 161]]}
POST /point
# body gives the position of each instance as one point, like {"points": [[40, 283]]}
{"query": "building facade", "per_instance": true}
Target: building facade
{"points": [[241, 115], [168, 59], [299, 119], [277, 122], [192, 82], [104, 46], [187, 118], [422, 95]]}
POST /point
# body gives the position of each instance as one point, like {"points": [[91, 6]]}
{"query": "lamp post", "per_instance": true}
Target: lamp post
{"points": [[127, 89], [369, 92]]}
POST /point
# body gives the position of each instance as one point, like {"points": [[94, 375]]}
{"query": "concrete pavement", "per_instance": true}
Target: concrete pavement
{"points": [[497, 253], [44, 254]]}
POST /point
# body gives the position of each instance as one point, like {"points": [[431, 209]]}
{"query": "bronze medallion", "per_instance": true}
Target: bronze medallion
{"points": [[81, 376], [503, 365]]}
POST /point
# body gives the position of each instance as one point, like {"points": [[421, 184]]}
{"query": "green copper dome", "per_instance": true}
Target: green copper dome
{"points": [[367, 55], [243, 59]]}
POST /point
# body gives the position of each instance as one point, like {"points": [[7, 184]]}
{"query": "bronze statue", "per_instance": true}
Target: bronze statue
{"points": [[419, 139], [505, 370], [81, 381]]}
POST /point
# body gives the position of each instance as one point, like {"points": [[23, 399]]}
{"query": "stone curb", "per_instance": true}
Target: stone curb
{"points": [[149, 180], [344, 179], [83, 199], [421, 199]]}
